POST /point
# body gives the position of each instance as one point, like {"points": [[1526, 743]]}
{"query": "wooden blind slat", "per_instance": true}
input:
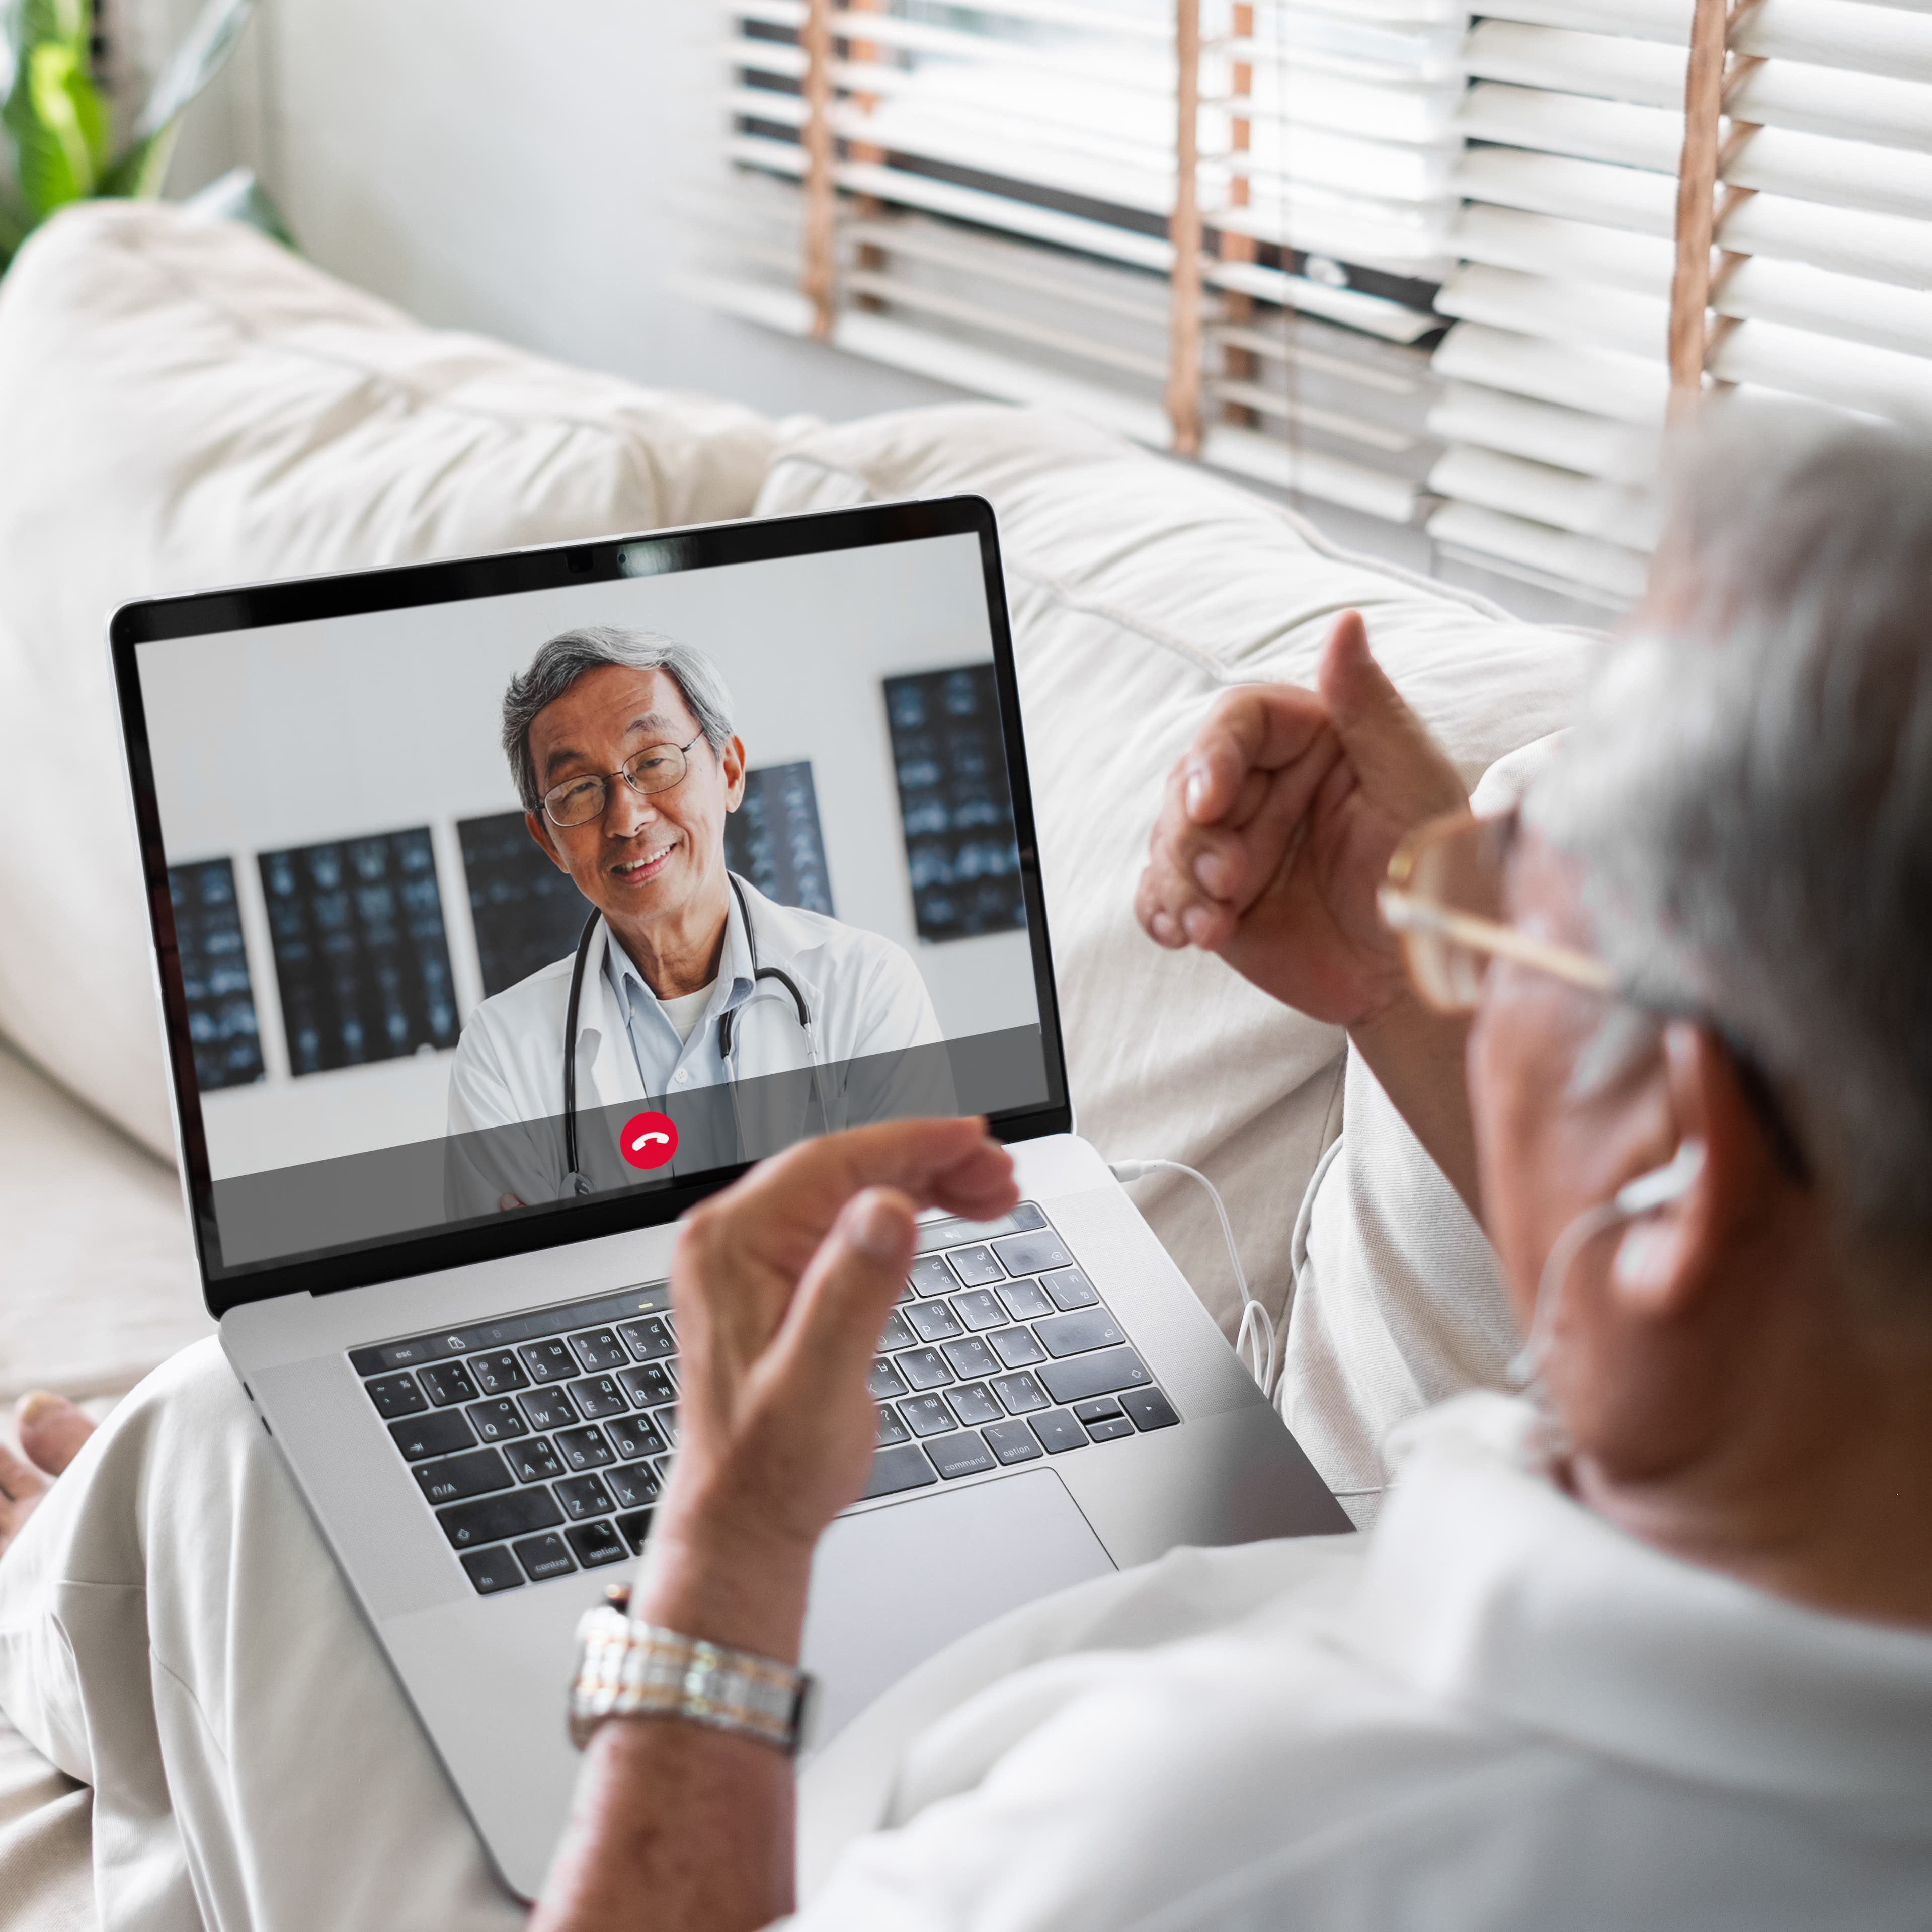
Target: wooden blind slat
{"points": [[1183, 384], [1697, 203], [818, 281]]}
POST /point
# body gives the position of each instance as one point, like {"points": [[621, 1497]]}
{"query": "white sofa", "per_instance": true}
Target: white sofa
{"points": [[195, 405]]}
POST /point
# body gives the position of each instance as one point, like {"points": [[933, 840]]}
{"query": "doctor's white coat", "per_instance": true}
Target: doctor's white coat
{"points": [[868, 1003]]}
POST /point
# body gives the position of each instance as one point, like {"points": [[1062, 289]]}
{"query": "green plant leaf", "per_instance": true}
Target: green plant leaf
{"points": [[140, 169], [15, 224], [67, 22], [27, 23], [58, 119], [199, 58], [91, 111], [59, 124]]}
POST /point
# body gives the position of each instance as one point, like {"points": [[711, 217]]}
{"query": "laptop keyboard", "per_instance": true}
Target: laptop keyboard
{"points": [[541, 1442]]}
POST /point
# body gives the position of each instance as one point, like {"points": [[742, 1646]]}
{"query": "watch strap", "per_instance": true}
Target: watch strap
{"points": [[627, 1669]]}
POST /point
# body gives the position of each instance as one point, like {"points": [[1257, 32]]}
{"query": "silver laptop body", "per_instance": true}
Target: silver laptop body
{"points": [[479, 1411]]}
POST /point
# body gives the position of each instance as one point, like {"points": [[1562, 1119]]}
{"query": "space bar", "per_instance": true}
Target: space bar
{"points": [[904, 1468]]}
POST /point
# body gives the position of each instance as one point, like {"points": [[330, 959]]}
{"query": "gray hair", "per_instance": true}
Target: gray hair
{"points": [[571, 655], [1749, 789]]}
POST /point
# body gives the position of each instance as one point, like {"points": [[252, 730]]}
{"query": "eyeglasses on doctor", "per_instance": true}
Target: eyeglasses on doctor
{"points": [[656, 768], [1444, 900]]}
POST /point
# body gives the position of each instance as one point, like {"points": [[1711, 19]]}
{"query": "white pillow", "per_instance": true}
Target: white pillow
{"points": [[183, 403], [1140, 588]]}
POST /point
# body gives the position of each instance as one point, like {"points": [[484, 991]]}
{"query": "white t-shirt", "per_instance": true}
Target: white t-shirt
{"points": [[1496, 1713], [685, 1011]]}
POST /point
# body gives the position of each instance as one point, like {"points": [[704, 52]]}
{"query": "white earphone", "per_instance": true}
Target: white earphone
{"points": [[1647, 1193], [1662, 1185]]}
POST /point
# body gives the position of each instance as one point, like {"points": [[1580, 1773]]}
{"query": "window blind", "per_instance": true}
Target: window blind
{"points": [[1217, 227], [1237, 230], [1619, 248]]}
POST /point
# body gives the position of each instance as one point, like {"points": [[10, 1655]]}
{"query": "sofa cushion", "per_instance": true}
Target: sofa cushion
{"points": [[1139, 589], [97, 1275], [184, 404]]}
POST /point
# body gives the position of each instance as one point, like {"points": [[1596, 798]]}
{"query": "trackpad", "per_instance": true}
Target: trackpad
{"points": [[893, 1586]]}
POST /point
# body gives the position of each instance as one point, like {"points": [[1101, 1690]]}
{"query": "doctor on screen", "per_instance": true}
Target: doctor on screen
{"points": [[623, 748]]}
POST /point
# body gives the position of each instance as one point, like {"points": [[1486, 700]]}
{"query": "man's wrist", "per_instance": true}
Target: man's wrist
{"points": [[744, 1591], [1401, 1020], [1417, 1058]]}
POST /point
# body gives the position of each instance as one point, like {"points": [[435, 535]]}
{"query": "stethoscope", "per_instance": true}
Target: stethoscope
{"points": [[728, 1043]]}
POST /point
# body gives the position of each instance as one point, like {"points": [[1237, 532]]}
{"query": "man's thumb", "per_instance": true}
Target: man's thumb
{"points": [[857, 1274], [1381, 737], [879, 1224]]}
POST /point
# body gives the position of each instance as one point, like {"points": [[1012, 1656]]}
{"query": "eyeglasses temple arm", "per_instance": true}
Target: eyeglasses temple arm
{"points": [[1405, 913]]}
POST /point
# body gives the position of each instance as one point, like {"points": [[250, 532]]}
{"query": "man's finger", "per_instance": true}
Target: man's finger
{"points": [[1258, 726], [1175, 908], [1220, 863], [787, 1204], [1211, 927], [1162, 891], [1150, 910], [1237, 867], [830, 1332], [924, 1159], [1166, 884]]}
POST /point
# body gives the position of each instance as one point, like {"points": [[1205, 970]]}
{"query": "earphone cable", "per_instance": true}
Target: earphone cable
{"points": [[1255, 1339]]}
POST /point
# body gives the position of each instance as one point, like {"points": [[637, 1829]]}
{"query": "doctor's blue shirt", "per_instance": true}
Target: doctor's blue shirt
{"points": [[667, 1065]]}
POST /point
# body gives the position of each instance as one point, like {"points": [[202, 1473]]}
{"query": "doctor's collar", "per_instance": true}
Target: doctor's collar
{"points": [[734, 963]]}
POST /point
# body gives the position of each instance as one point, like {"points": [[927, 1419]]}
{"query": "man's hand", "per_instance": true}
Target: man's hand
{"points": [[780, 1285], [1278, 825]]}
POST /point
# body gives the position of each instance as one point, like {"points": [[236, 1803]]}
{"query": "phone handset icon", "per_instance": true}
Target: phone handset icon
{"points": [[648, 1140]]}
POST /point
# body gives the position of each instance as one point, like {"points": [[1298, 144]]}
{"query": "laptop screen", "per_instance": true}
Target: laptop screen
{"points": [[505, 902]]}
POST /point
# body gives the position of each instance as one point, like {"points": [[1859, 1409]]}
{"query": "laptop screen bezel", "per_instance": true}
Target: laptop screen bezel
{"points": [[157, 621]]}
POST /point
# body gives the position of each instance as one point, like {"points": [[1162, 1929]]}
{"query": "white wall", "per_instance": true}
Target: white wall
{"points": [[266, 740], [512, 168]]}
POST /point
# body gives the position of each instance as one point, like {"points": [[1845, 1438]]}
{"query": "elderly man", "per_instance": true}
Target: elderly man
{"points": [[688, 979], [1652, 1645]]}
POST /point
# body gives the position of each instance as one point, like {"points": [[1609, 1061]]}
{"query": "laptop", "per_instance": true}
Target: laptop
{"points": [[436, 1242]]}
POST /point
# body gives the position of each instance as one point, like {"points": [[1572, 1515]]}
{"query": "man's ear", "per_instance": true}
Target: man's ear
{"points": [[732, 760], [539, 829], [1670, 1253]]}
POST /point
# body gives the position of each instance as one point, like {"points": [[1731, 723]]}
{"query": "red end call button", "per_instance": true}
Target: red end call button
{"points": [[648, 1140]]}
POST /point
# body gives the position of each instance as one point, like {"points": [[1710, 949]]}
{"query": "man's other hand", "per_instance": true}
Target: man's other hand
{"points": [[781, 1286], [1277, 828]]}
